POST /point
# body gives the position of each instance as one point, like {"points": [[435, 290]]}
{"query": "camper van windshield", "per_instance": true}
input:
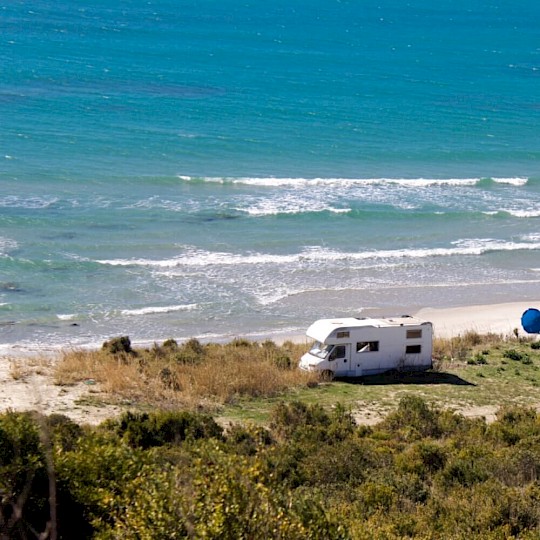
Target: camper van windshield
{"points": [[320, 351]]}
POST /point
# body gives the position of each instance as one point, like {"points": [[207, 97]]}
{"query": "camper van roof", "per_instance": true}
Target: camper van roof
{"points": [[322, 328]]}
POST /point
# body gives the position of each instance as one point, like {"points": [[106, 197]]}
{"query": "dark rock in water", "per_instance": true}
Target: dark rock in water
{"points": [[74, 324], [10, 286]]}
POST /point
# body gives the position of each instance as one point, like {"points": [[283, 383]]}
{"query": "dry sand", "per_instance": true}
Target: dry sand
{"points": [[495, 318], [27, 382]]}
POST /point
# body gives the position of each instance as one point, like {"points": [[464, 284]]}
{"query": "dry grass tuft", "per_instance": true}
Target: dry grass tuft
{"points": [[17, 370], [455, 350], [190, 374], [21, 368]]}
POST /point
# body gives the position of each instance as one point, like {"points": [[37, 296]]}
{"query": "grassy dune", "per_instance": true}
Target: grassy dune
{"points": [[242, 380]]}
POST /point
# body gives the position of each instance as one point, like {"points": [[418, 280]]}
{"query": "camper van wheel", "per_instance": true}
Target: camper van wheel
{"points": [[327, 375]]}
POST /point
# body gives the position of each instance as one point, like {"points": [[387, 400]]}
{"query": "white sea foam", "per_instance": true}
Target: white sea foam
{"points": [[533, 237], [159, 203], [13, 201], [66, 316], [316, 254], [524, 213], [299, 182], [7, 245], [512, 181], [160, 309], [291, 206]]}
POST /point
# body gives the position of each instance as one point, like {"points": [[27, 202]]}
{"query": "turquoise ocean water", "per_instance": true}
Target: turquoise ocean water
{"points": [[211, 169]]}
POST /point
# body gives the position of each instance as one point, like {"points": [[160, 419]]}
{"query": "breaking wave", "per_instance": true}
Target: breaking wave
{"points": [[344, 182], [202, 258], [161, 309]]}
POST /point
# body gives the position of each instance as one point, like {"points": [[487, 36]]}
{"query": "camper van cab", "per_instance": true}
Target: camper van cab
{"points": [[356, 347]]}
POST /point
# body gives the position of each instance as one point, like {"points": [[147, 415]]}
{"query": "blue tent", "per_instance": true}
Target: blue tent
{"points": [[530, 320]]}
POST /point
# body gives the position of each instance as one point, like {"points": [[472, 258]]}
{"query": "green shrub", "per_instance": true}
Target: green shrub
{"points": [[63, 431], [513, 424], [91, 482], [375, 497], [118, 345], [142, 430], [170, 344], [24, 479], [282, 361], [422, 458], [463, 470], [512, 354], [535, 345], [346, 462], [248, 440], [477, 359], [288, 418], [223, 496], [191, 352], [414, 419], [242, 342]]}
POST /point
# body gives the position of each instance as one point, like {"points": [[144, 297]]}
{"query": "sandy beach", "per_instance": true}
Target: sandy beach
{"points": [[26, 381], [494, 318]]}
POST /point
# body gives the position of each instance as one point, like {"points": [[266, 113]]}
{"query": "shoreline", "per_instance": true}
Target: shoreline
{"points": [[501, 318], [498, 318], [27, 380]]}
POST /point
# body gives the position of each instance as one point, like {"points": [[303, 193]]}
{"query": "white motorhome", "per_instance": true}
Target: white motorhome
{"points": [[356, 347]]}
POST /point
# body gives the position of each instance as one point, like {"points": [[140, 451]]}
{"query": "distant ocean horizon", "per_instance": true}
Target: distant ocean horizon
{"points": [[211, 170]]}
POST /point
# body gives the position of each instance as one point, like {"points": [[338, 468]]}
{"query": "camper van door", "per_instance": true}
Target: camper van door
{"points": [[340, 359]]}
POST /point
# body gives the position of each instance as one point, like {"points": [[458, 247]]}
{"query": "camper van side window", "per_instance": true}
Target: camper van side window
{"points": [[413, 349], [343, 334], [338, 352], [367, 346], [414, 334]]}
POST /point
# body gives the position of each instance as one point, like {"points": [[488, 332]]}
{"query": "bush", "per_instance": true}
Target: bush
{"points": [[242, 342], [63, 432], [513, 424], [414, 419], [477, 359], [170, 344], [147, 430], [118, 345], [422, 458], [512, 354], [287, 418], [91, 481], [283, 361], [24, 480], [465, 471], [190, 353], [223, 496], [248, 440], [346, 462]]}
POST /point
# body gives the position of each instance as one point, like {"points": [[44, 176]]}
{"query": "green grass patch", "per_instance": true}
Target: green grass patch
{"points": [[506, 372]]}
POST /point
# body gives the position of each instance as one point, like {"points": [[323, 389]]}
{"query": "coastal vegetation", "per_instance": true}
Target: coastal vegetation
{"points": [[226, 441], [190, 374], [243, 380], [423, 472]]}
